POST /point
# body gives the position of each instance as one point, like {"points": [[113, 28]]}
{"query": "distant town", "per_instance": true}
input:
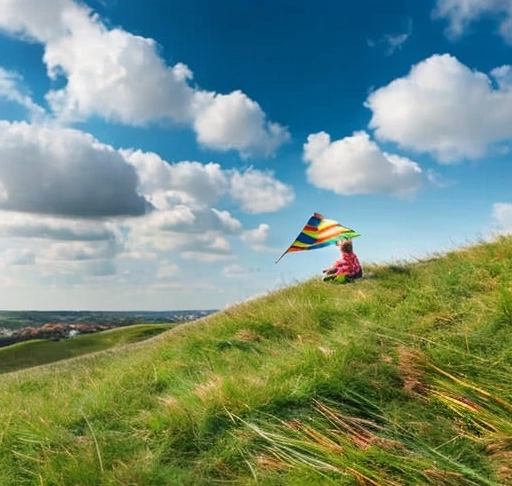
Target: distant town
{"points": [[17, 326]]}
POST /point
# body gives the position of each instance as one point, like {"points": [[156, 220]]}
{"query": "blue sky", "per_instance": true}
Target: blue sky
{"points": [[161, 154]]}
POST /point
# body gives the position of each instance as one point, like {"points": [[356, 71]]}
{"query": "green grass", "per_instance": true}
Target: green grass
{"points": [[402, 378], [38, 352]]}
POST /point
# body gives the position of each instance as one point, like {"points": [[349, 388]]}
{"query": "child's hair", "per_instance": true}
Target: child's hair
{"points": [[346, 246]]}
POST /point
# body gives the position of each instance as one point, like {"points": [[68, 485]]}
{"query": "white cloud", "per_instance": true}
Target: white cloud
{"points": [[110, 73], [129, 83], [200, 234], [256, 238], [53, 248], [461, 13], [234, 121], [229, 224], [445, 108], [502, 216], [167, 185], [11, 89], [393, 42], [356, 165], [198, 185], [204, 183], [35, 226], [183, 194], [121, 77], [38, 21], [260, 192], [64, 172], [77, 208], [79, 250], [209, 247], [18, 257], [75, 212], [218, 243], [167, 270], [192, 221]]}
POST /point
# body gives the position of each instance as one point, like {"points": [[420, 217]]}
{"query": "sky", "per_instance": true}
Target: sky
{"points": [[162, 154]]}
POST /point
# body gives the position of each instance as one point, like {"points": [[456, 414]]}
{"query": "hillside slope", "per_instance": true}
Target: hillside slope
{"points": [[402, 378], [37, 352]]}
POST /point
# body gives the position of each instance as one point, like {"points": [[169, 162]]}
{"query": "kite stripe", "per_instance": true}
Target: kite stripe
{"points": [[318, 233]]}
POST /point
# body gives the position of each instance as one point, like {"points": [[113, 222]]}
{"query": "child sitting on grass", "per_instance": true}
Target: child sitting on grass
{"points": [[346, 268]]}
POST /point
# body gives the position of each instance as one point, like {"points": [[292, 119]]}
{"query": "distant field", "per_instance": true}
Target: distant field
{"points": [[20, 319], [39, 352]]}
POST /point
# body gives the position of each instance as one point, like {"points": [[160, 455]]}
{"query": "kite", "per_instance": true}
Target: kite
{"points": [[319, 232]]}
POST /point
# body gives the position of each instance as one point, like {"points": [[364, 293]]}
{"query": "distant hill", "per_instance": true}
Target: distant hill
{"points": [[20, 326], [401, 378], [15, 320], [28, 353]]}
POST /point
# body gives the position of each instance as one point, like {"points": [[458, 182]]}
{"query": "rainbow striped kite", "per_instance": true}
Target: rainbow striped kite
{"points": [[319, 232]]}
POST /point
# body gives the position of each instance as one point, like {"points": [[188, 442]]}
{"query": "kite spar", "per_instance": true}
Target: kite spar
{"points": [[319, 232]]}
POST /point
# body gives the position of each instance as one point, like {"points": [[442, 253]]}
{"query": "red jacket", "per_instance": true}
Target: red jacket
{"points": [[347, 264]]}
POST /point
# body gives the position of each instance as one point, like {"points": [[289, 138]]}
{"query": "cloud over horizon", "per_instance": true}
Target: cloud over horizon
{"points": [[66, 197]]}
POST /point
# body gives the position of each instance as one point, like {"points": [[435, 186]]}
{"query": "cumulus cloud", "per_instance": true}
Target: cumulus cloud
{"points": [[110, 73], [183, 218], [196, 185], [167, 185], [356, 165], [121, 77], [79, 250], [260, 192], [234, 121], [229, 224], [445, 108], [64, 172], [194, 229], [199, 233], [35, 226], [257, 238], [460, 15], [51, 247], [184, 194], [502, 216], [76, 211], [209, 247], [39, 22]]}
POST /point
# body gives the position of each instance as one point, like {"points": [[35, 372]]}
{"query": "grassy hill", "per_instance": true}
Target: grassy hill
{"points": [[402, 378], [38, 352]]}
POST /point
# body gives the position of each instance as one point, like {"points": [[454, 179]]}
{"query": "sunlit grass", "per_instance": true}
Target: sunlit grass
{"points": [[401, 378]]}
